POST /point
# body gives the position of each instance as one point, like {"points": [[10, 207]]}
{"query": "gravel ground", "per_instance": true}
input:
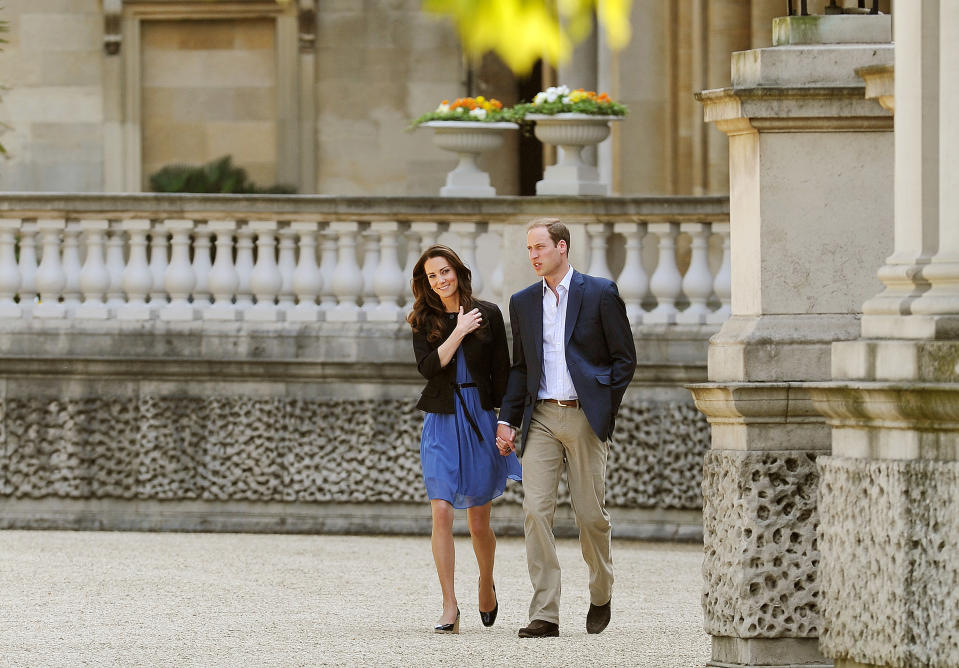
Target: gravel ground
{"points": [[167, 599]]}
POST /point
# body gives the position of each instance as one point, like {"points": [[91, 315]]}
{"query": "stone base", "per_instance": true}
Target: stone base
{"points": [[889, 574], [571, 180], [767, 653], [778, 347], [926, 361], [468, 191], [759, 534], [842, 29], [910, 326], [331, 518]]}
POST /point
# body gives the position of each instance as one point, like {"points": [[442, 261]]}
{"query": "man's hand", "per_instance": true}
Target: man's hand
{"points": [[505, 439]]}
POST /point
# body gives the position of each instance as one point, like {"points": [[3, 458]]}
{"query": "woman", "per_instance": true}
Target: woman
{"points": [[460, 347]]}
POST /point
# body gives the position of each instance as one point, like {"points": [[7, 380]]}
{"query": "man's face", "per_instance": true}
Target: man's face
{"points": [[545, 255]]}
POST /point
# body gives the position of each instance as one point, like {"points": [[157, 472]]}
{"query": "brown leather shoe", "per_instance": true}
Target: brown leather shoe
{"points": [[598, 617], [539, 629]]}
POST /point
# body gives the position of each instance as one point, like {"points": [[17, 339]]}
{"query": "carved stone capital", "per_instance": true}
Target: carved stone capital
{"points": [[112, 22], [306, 14]]}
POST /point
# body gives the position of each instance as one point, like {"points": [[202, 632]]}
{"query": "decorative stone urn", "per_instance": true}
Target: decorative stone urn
{"points": [[468, 139], [571, 175]]}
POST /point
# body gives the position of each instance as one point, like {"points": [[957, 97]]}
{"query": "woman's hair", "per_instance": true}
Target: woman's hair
{"points": [[429, 314]]}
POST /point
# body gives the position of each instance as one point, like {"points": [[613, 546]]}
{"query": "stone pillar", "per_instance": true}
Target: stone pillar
{"points": [[889, 494], [810, 212]]}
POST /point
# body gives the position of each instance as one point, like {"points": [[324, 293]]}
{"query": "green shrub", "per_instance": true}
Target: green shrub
{"points": [[217, 176]]}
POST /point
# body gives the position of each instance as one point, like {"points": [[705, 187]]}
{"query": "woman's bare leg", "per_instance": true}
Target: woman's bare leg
{"points": [[444, 556], [484, 546]]}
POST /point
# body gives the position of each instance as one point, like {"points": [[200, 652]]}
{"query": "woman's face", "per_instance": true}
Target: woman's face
{"points": [[442, 277]]}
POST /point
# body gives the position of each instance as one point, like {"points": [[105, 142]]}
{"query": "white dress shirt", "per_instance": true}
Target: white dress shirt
{"points": [[556, 382]]}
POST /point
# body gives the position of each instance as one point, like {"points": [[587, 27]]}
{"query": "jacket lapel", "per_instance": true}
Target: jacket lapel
{"points": [[536, 314], [573, 301]]}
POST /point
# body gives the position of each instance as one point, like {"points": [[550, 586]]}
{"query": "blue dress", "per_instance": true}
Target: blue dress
{"points": [[458, 467]]}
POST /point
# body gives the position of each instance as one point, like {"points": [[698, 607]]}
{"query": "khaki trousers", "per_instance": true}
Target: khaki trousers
{"points": [[560, 437]]}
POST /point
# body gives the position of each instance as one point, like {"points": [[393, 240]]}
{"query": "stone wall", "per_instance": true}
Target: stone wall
{"points": [[348, 77], [282, 427], [888, 538], [761, 582], [209, 90], [52, 101]]}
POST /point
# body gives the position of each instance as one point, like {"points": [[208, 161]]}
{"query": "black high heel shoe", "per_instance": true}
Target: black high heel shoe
{"points": [[489, 618], [449, 628]]}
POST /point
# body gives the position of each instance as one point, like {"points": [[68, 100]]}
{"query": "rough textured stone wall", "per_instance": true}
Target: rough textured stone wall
{"points": [[888, 536], [761, 553], [284, 449]]}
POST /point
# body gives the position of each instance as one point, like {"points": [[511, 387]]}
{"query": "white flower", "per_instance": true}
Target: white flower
{"points": [[443, 108], [478, 113], [539, 99], [566, 100], [553, 93]]}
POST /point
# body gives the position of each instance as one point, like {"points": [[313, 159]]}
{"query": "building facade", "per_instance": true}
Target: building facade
{"points": [[318, 93]]}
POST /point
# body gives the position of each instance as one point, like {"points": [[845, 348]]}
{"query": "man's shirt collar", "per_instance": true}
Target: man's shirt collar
{"points": [[567, 279]]}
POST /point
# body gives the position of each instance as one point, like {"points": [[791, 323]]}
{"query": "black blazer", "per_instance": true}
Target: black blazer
{"points": [[600, 353], [487, 361]]}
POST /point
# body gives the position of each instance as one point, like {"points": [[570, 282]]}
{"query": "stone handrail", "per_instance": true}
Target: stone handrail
{"points": [[181, 258]]}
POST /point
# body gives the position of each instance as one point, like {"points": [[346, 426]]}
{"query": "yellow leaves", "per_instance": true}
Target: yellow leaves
{"points": [[523, 31]]}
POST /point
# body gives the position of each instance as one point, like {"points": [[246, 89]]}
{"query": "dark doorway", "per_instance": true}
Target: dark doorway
{"points": [[530, 149]]}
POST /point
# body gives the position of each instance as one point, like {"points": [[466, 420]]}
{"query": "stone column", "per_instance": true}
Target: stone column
{"points": [[889, 494], [810, 202]]}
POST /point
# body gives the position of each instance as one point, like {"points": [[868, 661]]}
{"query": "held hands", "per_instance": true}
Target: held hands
{"points": [[505, 439], [468, 322]]}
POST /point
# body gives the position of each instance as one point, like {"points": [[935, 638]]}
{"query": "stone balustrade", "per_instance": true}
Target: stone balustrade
{"points": [[242, 363], [135, 258]]}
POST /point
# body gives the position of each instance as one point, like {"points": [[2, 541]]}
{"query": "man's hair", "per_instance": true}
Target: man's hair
{"points": [[557, 231]]}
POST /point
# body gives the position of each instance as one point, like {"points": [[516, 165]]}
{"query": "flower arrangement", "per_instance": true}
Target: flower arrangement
{"points": [[562, 100], [467, 109]]}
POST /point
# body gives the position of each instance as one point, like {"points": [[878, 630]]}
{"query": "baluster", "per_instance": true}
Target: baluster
{"points": [[388, 279], [71, 267], [666, 282], [265, 280], [9, 271], [497, 278], [28, 266], [698, 281], [347, 280], [201, 266], [307, 279], [632, 281], [413, 241], [179, 280], [328, 270], [371, 258], [287, 265], [467, 233], [158, 264], [244, 268], [94, 279], [224, 279], [115, 266], [50, 275], [428, 232], [598, 242], [137, 276], [722, 283]]}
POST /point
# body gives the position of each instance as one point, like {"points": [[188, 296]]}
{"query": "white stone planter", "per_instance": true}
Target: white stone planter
{"points": [[468, 139], [571, 132]]}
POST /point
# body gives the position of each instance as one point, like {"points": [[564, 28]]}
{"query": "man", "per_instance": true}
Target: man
{"points": [[573, 356]]}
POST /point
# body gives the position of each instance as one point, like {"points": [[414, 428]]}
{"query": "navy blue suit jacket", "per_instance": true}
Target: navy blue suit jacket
{"points": [[600, 353]]}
